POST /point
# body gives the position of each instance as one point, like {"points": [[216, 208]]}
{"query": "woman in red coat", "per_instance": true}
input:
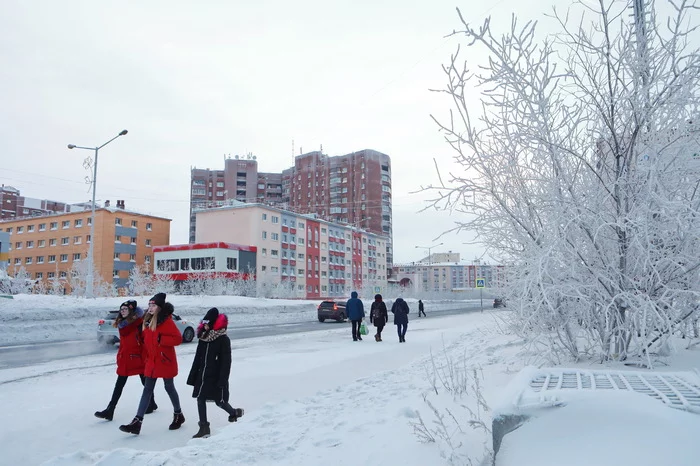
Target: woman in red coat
{"points": [[130, 359], [160, 337]]}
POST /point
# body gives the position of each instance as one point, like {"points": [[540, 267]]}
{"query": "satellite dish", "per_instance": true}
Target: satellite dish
{"points": [[255, 158]]}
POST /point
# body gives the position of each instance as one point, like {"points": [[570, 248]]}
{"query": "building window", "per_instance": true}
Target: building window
{"points": [[116, 256], [52, 242], [27, 260], [30, 228], [274, 252], [18, 261], [117, 221], [275, 219], [65, 241], [133, 240], [64, 257], [88, 238], [62, 274], [54, 225], [89, 221], [30, 244], [264, 251], [231, 263], [65, 224], [51, 275], [275, 236], [149, 226], [263, 268], [9, 230], [264, 235], [39, 259], [20, 230], [52, 259], [77, 239], [115, 273], [18, 245], [134, 224], [274, 269], [203, 263], [147, 259], [132, 257], [148, 242], [78, 223], [264, 217], [39, 275], [169, 265], [76, 256], [117, 238], [184, 264], [42, 243]]}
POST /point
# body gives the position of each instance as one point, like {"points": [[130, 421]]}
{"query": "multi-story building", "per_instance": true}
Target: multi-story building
{"points": [[50, 246], [15, 205], [319, 258], [4, 249], [354, 189], [436, 276]]}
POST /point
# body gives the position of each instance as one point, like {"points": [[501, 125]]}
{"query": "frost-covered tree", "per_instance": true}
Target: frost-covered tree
{"points": [[140, 281], [579, 168]]}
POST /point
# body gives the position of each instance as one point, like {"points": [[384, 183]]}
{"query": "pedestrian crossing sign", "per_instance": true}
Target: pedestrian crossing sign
{"points": [[481, 283]]}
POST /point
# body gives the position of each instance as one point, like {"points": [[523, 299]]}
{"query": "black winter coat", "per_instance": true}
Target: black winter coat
{"points": [[400, 311], [378, 314], [210, 369]]}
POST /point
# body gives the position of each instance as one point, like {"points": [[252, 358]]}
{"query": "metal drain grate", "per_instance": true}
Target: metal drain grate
{"points": [[672, 389]]}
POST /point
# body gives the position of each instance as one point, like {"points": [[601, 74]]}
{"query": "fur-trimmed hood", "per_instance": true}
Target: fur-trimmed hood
{"points": [[221, 322], [134, 315]]}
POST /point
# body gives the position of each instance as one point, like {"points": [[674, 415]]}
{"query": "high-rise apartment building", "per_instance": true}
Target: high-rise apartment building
{"points": [[13, 205], [353, 189]]}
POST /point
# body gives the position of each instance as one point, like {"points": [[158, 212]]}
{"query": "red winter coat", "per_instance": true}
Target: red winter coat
{"points": [[130, 354], [161, 361]]}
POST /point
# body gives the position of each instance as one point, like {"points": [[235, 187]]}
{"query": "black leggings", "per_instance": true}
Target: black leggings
{"points": [[119, 387], [202, 408], [379, 330]]}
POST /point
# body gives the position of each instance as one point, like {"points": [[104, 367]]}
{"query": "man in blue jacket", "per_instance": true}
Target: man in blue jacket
{"points": [[356, 311]]}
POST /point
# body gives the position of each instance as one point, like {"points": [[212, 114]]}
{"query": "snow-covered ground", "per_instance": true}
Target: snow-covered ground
{"points": [[319, 398]]}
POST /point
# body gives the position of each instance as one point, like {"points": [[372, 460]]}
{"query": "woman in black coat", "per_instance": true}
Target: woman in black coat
{"points": [[210, 369], [378, 316]]}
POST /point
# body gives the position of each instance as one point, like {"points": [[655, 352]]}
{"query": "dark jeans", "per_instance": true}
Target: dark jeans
{"points": [[202, 408], [401, 329], [421, 311], [379, 330], [356, 329], [147, 395], [119, 387]]}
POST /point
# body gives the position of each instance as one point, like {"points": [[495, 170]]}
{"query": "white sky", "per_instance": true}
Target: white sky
{"points": [[192, 81]]}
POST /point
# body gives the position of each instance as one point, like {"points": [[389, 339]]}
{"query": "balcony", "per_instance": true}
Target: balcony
{"points": [[285, 229], [293, 231], [285, 245], [285, 261], [293, 247], [292, 262]]}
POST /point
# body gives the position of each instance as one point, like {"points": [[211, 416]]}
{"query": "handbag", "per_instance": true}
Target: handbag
{"points": [[363, 329]]}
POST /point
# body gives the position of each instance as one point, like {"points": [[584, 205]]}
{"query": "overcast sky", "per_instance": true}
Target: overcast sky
{"points": [[192, 81]]}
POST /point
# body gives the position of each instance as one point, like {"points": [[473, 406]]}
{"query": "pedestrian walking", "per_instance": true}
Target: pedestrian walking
{"points": [[400, 311], [421, 309], [130, 357], [211, 368], [160, 337], [356, 312], [379, 316]]}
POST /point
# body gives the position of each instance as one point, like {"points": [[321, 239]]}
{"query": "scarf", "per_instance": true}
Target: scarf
{"points": [[212, 335]]}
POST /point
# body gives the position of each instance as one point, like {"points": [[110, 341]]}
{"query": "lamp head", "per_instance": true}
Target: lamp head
{"points": [[71, 146], [123, 133]]}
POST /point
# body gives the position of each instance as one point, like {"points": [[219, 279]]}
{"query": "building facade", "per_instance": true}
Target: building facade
{"points": [[14, 205], [355, 189], [429, 275], [317, 258], [181, 262], [51, 246]]}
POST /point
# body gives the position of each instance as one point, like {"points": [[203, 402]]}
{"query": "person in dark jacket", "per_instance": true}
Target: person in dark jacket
{"points": [[378, 315], [356, 312], [400, 311], [211, 368], [160, 337], [129, 355], [421, 309]]}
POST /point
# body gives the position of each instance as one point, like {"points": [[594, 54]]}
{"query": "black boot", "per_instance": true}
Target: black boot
{"points": [[107, 414], [152, 406], [132, 428], [178, 420], [204, 431], [234, 417]]}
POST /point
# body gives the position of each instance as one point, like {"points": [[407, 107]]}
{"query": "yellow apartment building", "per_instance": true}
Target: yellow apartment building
{"points": [[49, 246]]}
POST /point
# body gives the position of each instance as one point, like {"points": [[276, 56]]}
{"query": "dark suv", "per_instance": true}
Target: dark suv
{"points": [[499, 302], [331, 310]]}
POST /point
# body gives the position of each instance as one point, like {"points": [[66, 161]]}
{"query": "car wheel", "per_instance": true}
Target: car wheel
{"points": [[188, 335], [321, 319], [341, 318]]}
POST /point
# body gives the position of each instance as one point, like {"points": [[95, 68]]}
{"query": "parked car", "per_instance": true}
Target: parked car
{"points": [[108, 334], [499, 302], [331, 310]]}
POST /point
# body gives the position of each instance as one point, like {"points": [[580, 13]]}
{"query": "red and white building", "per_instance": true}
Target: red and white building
{"points": [[321, 259], [180, 262]]}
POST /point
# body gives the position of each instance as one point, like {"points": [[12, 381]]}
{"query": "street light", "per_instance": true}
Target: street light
{"points": [[91, 261], [429, 248]]}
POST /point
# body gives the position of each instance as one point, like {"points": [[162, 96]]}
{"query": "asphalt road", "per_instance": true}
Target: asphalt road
{"points": [[28, 355]]}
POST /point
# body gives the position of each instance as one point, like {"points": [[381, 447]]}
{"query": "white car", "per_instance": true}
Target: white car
{"points": [[108, 334]]}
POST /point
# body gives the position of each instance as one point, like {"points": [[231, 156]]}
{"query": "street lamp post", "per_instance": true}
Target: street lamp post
{"points": [[430, 256], [91, 259]]}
